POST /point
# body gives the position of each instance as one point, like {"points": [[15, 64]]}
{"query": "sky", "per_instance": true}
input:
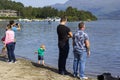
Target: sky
{"points": [[40, 3]]}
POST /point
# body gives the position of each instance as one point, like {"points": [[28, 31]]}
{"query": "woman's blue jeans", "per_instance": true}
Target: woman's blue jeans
{"points": [[10, 49], [79, 62]]}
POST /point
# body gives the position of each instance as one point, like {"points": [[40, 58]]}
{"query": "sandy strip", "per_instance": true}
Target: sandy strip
{"points": [[27, 70]]}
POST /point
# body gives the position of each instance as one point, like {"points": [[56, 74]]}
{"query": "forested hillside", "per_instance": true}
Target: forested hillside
{"points": [[73, 14]]}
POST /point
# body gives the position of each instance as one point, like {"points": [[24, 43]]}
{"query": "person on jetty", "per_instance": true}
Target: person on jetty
{"points": [[9, 43], [40, 53], [64, 33], [81, 49]]}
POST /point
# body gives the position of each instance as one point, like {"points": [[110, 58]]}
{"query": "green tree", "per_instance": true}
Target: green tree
{"points": [[71, 11], [27, 12], [61, 13], [49, 12]]}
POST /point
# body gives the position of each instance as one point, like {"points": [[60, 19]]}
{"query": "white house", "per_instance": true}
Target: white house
{"points": [[8, 13]]}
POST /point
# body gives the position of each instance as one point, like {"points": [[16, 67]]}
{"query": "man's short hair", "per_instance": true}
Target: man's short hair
{"points": [[81, 25], [63, 18], [11, 22]]}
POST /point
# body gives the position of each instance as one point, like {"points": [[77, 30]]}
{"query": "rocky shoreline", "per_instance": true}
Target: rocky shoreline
{"points": [[25, 69]]}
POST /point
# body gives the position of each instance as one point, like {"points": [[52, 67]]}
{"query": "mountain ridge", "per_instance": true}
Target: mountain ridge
{"points": [[101, 8]]}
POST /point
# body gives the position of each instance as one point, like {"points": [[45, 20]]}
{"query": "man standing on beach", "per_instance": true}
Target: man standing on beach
{"points": [[81, 49], [64, 34]]}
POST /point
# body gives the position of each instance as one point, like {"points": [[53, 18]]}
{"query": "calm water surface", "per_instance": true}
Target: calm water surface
{"points": [[104, 37]]}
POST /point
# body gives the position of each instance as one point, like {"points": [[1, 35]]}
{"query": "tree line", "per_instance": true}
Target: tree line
{"points": [[30, 12]]}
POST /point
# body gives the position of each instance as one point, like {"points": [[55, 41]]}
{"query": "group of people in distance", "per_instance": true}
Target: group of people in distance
{"points": [[81, 48]]}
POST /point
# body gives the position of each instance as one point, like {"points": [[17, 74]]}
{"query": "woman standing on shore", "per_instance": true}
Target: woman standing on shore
{"points": [[9, 43]]}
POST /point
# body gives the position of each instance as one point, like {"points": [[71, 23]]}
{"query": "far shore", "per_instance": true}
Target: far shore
{"points": [[25, 69]]}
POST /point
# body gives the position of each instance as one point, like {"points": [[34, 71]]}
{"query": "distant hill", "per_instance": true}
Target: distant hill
{"points": [[100, 8], [113, 15]]}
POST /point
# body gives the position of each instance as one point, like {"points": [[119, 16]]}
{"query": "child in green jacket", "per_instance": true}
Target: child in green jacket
{"points": [[40, 52]]}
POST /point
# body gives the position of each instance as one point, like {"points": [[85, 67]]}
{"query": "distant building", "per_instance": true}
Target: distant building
{"points": [[8, 13]]}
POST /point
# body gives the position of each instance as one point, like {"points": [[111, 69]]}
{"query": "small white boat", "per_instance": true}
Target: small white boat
{"points": [[24, 20], [56, 19]]}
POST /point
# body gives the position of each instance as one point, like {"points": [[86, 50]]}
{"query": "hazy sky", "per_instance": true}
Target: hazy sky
{"points": [[40, 3]]}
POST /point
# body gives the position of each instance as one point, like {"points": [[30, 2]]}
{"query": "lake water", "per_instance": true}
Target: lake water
{"points": [[104, 37]]}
